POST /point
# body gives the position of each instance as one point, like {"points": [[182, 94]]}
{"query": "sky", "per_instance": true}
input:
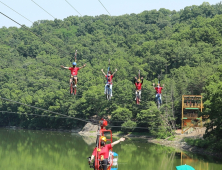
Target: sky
{"points": [[60, 9]]}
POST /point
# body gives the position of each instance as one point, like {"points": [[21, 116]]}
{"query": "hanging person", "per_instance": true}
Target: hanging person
{"points": [[109, 77], [138, 83], [158, 91], [74, 71]]}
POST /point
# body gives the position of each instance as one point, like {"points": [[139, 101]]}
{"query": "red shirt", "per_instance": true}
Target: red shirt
{"points": [[74, 70], [158, 89], [104, 151], [138, 86], [110, 78]]}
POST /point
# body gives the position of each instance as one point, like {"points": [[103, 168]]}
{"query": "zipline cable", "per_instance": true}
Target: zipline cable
{"points": [[84, 120], [110, 121], [28, 30], [72, 117], [35, 115], [73, 7], [76, 56], [43, 9], [104, 7], [16, 12], [32, 23], [45, 110]]}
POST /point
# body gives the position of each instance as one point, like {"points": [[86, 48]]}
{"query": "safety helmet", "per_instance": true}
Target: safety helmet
{"points": [[138, 80], [74, 63], [103, 138]]}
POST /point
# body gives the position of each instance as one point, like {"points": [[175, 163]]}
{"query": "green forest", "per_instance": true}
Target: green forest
{"points": [[182, 47]]}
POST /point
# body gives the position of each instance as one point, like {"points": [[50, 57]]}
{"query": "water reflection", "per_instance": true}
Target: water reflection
{"points": [[200, 162], [37, 150]]}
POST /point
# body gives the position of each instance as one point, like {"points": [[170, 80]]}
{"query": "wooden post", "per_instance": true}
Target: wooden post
{"points": [[182, 114], [201, 110], [181, 158]]}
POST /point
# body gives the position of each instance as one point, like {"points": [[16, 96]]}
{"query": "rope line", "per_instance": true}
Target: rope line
{"points": [[69, 118], [73, 7], [45, 110], [33, 114], [104, 7], [33, 33], [26, 28], [16, 12], [43, 9], [65, 116]]}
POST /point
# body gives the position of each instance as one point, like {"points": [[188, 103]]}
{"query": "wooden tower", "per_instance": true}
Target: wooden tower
{"points": [[191, 105]]}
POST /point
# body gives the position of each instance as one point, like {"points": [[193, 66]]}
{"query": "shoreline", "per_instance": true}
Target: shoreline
{"points": [[177, 142]]}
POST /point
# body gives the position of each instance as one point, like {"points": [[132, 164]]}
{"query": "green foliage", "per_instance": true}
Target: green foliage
{"points": [[213, 97], [183, 47], [198, 142], [128, 126], [121, 114], [208, 143], [171, 138]]}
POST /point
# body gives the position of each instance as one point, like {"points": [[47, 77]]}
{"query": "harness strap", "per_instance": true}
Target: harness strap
{"points": [[107, 73], [76, 56]]}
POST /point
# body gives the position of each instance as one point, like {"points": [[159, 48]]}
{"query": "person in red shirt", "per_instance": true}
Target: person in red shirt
{"points": [[74, 71], [109, 78], [138, 85], [104, 152], [158, 91]]}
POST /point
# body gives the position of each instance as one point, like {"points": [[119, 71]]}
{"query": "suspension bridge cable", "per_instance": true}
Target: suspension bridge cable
{"points": [[43, 9], [16, 12], [73, 7], [104, 7]]}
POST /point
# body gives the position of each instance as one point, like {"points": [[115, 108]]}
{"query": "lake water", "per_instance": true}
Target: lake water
{"points": [[43, 150]]}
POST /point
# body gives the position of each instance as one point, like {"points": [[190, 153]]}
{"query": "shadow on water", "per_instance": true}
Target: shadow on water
{"points": [[41, 150]]}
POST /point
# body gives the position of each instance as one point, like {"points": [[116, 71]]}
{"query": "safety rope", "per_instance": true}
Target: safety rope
{"points": [[64, 116], [76, 56], [108, 72]]}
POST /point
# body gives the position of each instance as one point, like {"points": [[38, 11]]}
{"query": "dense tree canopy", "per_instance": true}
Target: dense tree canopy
{"points": [[183, 47]]}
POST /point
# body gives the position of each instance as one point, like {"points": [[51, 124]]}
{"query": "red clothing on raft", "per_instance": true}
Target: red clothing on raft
{"points": [[74, 70], [104, 151]]}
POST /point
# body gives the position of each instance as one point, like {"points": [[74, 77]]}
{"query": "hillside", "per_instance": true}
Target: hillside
{"points": [[182, 47]]}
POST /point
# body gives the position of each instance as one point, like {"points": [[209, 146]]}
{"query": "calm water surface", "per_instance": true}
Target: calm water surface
{"points": [[41, 150]]}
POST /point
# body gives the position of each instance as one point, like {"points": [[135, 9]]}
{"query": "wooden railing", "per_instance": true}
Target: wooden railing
{"points": [[192, 115], [193, 105]]}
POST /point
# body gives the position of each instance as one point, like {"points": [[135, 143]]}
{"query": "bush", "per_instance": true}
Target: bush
{"points": [[198, 142], [171, 138], [128, 126]]}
